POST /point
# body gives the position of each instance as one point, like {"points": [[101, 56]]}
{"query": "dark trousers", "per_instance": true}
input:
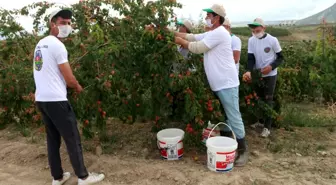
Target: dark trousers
{"points": [[266, 92], [60, 121], [175, 104]]}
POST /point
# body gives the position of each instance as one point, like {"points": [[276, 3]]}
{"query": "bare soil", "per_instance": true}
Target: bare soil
{"points": [[305, 156]]}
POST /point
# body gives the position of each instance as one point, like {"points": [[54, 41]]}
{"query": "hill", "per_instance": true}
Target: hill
{"points": [[329, 14]]}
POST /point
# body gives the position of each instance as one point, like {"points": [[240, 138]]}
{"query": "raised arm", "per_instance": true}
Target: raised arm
{"points": [[199, 43], [186, 36], [181, 35]]}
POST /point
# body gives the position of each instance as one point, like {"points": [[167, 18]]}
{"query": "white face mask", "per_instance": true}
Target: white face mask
{"points": [[64, 31], [259, 35], [208, 22]]}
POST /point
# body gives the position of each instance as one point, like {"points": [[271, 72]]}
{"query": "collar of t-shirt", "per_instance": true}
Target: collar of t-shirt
{"points": [[265, 35]]}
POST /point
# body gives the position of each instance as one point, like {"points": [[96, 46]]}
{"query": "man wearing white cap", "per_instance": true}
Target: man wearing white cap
{"points": [[184, 27], [52, 75], [220, 70], [235, 44], [264, 54]]}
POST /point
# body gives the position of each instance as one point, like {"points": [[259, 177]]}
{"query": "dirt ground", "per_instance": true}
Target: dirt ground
{"points": [[305, 156]]}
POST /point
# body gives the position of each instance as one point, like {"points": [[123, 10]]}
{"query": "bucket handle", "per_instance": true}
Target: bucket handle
{"points": [[222, 123], [158, 145], [160, 148]]}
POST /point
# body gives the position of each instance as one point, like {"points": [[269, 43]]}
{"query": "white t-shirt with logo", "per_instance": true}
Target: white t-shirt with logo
{"points": [[236, 46], [49, 81], [219, 64], [264, 50]]}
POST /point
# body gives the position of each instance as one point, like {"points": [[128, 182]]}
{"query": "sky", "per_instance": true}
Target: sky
{"points": [[236, 10]]}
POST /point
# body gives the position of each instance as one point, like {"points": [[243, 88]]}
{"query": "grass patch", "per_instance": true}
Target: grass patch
{"points": [[321, 147], [25, 131], [275, 147], [307, 115], [305, 142], [317, 122], [109, 144]]}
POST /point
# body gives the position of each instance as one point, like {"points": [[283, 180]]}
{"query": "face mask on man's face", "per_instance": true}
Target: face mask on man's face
{"points": [[259, 35], [64, 31], [208, 22]]}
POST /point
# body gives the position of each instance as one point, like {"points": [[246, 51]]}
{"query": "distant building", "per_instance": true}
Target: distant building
{"points": [[287, 23], [268, 23]]}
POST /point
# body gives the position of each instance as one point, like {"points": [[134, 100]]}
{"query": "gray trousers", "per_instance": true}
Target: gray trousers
{"points": [[60, 121]]}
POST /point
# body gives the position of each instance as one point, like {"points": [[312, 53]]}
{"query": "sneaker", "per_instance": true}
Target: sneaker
{"points": [[256, 125], [265, 133], [91, 179], [66, 177]]}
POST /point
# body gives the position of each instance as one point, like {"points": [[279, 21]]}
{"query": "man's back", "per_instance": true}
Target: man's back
{"points": [[49, 81]]}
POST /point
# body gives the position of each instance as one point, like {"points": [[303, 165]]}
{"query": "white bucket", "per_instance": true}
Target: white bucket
{"points": [[170, 143], [221, 152]]}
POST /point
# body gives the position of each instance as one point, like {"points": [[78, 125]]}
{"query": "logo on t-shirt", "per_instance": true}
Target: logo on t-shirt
{"points": [[38, 61], [267, 49]]}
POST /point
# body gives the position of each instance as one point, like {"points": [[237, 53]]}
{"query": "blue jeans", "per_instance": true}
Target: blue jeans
{"points": [[230, 101]]}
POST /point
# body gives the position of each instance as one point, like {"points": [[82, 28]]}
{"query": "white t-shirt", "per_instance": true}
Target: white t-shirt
{"points": [[264, 50], [49, 81], [236, 46], [184, 52], [219, 64]]}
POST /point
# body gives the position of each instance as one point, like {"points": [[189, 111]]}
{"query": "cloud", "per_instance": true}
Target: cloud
{"points": [[237, 10], [247, 10], [21, 3]]}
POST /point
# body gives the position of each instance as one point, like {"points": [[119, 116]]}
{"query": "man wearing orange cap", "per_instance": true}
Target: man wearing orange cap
{"points": [[220, 70]]}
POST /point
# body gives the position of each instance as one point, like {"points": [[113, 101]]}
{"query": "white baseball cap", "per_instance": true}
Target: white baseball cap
{"points": [[216, 8], [64, 13], [227, 22], [188, 24], [257, 22]]}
